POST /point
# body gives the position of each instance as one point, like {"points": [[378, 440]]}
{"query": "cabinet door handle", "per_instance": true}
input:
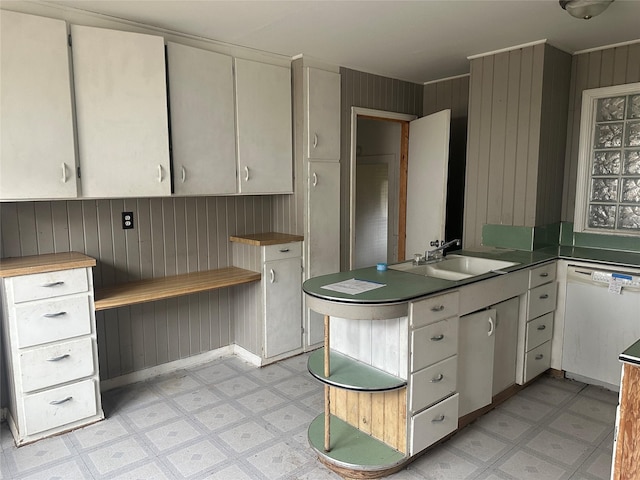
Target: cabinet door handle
{"points": [[542, 327], [544, 296], [64, 173], [184, 174], [492, 327], [438, 419], [246, 174], [315, 140], [52, 284], [437, 308], [159, 173], [540, 356], [284, 250], [272, 275], [437, 338], [58, 358], [315, 179], [59, 402], [545, 274], [54, 315], [437, 379]]}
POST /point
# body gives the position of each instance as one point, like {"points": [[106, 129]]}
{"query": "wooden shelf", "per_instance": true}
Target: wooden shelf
{"points": [[268, 238], [353, 449], [168, 287], [349, 374]]}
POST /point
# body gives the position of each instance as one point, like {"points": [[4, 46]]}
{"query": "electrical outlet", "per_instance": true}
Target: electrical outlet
{"points": [[127, 220]]}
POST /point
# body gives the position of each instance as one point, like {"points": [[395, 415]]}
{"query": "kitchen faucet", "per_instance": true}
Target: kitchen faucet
{"points": [[438, 253]]}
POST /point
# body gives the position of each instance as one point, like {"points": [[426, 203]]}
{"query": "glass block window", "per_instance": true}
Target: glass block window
{"points": [[608, 193]]}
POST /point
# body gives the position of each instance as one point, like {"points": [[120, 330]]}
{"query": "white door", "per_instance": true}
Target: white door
{"points": [[202, 121], [427, 181], [121, 106], [283, 306], [323, 109], [322, 238], [476, 342], [504, 358]]}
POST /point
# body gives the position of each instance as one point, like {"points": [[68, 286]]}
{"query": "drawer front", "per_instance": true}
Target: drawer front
{"points": [[60, 406], [433, 343], [50, 284], [432, 309], [49, 321], [542, 300], [537, 361], [539, 330], [433, 383], [52, 365], [283, 250], [541, 275], [433, 424]]}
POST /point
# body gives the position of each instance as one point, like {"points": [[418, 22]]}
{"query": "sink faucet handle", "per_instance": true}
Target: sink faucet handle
{"points": [[434, 243]]}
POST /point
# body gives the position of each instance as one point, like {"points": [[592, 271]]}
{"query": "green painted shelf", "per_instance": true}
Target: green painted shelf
{"points": [[349, 374], [352, 448]]}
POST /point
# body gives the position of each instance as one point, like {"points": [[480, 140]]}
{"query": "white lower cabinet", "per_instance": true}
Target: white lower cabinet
{"points": [[506, 351], [50, 345]]}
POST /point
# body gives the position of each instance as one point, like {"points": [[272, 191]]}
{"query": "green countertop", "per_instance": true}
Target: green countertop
{"points": [[401, 286], [631, 354]]}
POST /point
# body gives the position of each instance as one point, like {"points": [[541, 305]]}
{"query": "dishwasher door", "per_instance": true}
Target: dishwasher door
{"points": [[599, 323]]}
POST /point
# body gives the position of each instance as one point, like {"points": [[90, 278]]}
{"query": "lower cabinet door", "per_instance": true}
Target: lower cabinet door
{"points": [[60, 406], [434, 423]]}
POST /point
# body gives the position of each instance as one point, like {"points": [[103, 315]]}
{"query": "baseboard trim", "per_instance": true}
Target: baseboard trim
{"points": [[148, 373], [3, 414], [247, 356]]}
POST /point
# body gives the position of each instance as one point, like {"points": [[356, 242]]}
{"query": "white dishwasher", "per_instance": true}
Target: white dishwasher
{"points": [[602, 318]]}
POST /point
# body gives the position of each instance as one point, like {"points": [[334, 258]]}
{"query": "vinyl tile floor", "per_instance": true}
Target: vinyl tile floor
{"points": [[229, 420]]}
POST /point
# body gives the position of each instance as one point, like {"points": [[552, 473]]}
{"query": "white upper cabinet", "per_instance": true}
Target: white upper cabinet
{"points": [[323, 110], [37, 148], [264, 134], [202, 121], [121, 108]]}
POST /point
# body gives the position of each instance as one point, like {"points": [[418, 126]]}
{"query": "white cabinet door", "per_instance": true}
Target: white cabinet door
{"points": [[202, 121], [504, 358], [475, 360], [427, 180], [264, 135], [323, 110], [322, 236], [283, 306], [36, 118], [121, 105]]}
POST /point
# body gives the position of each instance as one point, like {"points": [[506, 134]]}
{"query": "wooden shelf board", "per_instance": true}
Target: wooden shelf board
{"points": [[268, 238], [349, 374], [174, 286], [352, 448]]}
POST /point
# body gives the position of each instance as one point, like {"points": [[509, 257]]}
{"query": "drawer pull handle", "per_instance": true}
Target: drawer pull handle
{"points": [[52, 284], [545, 274], [58, 358], [54, 315], [540, 356], [284, 250], [544, 296], [542, 327], [437, 379], [438, 419], [60, 402], [437, 338], [437, 308]]}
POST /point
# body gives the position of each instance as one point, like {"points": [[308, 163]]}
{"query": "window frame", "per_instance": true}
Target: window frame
{"points": [[585, 154]]}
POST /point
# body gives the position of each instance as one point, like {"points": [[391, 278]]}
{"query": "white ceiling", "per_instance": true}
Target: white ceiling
{"points": [[419, 41]]}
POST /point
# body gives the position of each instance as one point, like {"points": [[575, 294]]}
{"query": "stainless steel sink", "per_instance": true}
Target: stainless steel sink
{"points": [[454, 267]]}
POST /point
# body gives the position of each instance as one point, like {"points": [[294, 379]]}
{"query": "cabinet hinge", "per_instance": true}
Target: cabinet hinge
{"points": [[69, 37], [78, 172]]}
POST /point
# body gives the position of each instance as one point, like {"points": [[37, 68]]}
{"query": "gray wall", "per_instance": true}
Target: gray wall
{"points": [[171, 236], [602, 68]]}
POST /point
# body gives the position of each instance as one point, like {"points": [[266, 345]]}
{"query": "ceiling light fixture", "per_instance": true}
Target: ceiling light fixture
{"points": [[585, 9]]}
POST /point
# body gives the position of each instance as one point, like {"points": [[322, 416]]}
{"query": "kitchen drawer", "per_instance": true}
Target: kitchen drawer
{"points": [[539, 330], [60, 406], [52, 320], [432, 309], [433, 424], [433, 383], [537, 361], [433, 343], [541, 275], [51, 284], [283, 250], [541, 300], [55, 364]]}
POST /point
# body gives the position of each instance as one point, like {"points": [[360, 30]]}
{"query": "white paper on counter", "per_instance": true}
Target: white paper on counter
{"points": [[353, 286]]}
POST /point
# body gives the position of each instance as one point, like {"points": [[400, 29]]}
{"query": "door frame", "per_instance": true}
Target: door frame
{"points": [[403, 119]]}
